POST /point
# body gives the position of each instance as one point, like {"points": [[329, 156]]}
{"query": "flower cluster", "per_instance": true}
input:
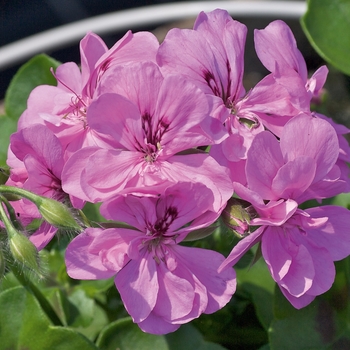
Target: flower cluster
{"points": [[131, 128]]}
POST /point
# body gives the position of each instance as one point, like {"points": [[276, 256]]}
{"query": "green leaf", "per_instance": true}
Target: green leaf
{"points": [[327, 25], [94, 287], [23, 325], [200, 233], [33, 73], [187, 337], [81, 309], [7, 127], [258, 275], [123, 334], [262, 301], [321, 325]]}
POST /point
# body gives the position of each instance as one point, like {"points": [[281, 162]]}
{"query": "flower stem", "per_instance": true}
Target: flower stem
{"points": [[44, 303]]}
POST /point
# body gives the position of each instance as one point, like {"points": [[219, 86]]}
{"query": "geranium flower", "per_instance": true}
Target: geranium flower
{"points": [[63, 108], [161, 283], [212, 56], [39, 158], [155, 133], [299, 246], [277, 49]]}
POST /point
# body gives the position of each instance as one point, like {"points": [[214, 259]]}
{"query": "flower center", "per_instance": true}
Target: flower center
{"points": [[153, 134], [158, 236]]}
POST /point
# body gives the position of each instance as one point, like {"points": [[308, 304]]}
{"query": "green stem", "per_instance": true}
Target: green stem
{"points": [[11, 212], [19, 192], [44, 303]]}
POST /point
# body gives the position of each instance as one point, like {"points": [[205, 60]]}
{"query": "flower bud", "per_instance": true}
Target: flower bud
{"points": [[237, 215], [23, 250], [56, 214]]}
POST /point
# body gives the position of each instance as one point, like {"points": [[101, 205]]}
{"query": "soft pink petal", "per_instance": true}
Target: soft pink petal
{"points": [[155, 324], [293, 178], [139, 82], [298, 302], [100, 182], [276, 253], [301, 273], [269, 96], [274, 213], [132, 210], [92, 48], [43, 235], [305, 135], [220, 286], [317, 81], [276, 43], [179, 54], [138, 285], [324, 270], [203, 169], [175, 295], [115, 115], [334, 235], [41, 143], [263, 163], [241, 248], [227, 36], [72, 171], [69, 78], [80, 263]]}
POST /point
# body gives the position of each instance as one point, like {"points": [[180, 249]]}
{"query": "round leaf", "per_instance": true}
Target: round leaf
{"points": [[33, 73], [23, 325], [327, 25]]}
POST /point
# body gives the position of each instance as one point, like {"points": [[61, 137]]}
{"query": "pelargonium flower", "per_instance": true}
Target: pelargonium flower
{"points": [[277, 49], [161, 283], [301, 166], [39, 158], [300, 252], [63, 109], [211, 55], [299, 246], [155, 130]]}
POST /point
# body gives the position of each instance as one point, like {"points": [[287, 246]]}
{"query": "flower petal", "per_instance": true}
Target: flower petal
{"points": [[138, 285]]}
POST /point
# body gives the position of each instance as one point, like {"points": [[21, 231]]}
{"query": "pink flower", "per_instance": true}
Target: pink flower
{"points": [[300, 252], [298, 246], [63, 109], [161, 283], [277, 49], [301, 166], [39, 155], [212, 56], [154, 134]]}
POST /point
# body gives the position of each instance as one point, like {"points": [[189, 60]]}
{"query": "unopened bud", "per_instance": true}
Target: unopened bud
{"points": [[56, 214], [23, 250], [237, 215]]}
